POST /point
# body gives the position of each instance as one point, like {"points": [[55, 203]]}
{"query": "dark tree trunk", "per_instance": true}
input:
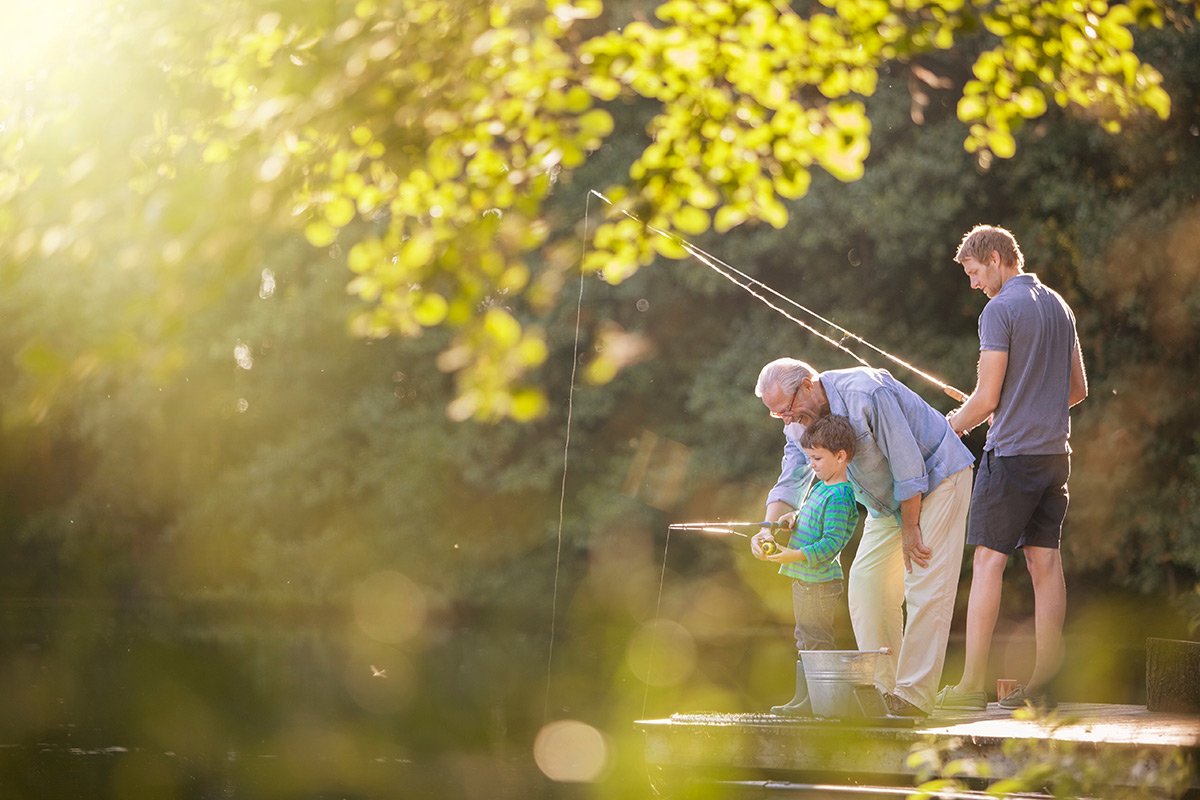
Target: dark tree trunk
{"points": [[1172, 675]]}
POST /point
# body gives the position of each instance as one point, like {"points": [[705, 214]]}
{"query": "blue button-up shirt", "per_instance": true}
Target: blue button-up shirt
{"points": [[905, 447]]}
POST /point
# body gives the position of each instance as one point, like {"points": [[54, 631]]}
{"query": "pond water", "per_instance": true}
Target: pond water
{"points": [[132, 703], [195, 702]]}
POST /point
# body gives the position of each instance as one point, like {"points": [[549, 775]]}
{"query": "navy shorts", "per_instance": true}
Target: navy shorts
{"points": [[1019, 501]]}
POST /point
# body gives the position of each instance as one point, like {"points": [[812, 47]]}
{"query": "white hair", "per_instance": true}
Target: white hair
{"points": [[786, 373]]}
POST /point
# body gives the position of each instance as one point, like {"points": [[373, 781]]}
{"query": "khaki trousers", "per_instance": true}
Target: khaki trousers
{"points": [[879, 586]]}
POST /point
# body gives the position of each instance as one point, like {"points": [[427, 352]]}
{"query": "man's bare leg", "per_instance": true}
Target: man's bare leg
{"points": [[1050, 610], [983, 608]]}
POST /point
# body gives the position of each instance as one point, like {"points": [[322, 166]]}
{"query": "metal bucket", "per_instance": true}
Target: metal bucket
{"points": [[832, 677]]}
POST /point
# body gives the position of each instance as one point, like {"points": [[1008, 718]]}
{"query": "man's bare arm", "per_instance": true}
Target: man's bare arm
{"points": [[983, 401]]}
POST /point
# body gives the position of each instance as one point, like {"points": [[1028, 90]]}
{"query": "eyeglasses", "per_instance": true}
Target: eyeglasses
{"points": [[787, 410]]}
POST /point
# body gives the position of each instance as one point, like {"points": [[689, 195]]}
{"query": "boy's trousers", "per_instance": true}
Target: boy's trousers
{"points": [[879, 585]]}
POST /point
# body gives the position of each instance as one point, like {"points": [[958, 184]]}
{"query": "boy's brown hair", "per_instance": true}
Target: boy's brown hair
{"points": [[831, 432]]}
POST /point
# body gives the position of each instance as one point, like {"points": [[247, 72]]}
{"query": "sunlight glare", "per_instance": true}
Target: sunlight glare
{"points": [[36, 34]]}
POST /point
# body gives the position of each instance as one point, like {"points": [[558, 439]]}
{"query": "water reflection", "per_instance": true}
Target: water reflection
{"points": [[159, 704]]}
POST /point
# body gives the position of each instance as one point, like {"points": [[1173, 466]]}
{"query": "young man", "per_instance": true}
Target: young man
{"points": [[913, 475], [1030, 373], [821, 528]]}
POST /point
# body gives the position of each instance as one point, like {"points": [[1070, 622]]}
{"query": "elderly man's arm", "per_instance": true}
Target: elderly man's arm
{"points": [[795, 474], [775, 510], [895, 437], [912, 543]]}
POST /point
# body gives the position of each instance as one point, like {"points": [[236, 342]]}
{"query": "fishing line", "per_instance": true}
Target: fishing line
{"points": [[728, 271], [654, 634], [562, 497]]}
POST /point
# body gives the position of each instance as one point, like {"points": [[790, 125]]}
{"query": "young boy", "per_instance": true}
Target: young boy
{"points": [[822, 526]]}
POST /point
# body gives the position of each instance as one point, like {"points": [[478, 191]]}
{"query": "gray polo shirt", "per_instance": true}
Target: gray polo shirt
{"points": [[1035, 326]]}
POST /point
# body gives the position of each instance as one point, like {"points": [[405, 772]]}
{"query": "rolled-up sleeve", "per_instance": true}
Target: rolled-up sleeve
{"points": [[794, 476], [896, 439]]}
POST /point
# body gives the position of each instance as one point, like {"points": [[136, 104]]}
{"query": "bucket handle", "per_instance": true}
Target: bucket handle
{"points": [[883, 651]]}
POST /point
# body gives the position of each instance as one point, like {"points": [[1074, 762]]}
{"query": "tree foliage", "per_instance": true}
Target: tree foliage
{"points": [[183, 414], [419, 144]]}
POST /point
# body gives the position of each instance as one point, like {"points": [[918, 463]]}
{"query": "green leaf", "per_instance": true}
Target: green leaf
{"points": [[728, 217], [596, 123], [431, 310], [217, 152], [1031, 101], [1001, 143], [500, 326], [339, 212], [417, 251], [1158, 101], [600, 370], [690, 220], [40, 359], [668, 247], [532, 351], [528, 404], [320, 233], [794, 187], [774, 214]]}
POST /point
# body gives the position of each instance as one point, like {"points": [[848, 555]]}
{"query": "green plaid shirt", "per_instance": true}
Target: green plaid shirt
{"points": [[826, 522]]}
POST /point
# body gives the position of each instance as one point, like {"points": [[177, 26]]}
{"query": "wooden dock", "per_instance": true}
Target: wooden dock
{"points": [[761, 755]]}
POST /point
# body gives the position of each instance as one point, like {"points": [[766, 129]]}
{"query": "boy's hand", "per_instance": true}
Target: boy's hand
{"points": [[788, 520], [786, 555], [756, 544]]}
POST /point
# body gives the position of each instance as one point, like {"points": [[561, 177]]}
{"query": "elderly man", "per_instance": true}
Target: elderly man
{"points": [[913, 475]]}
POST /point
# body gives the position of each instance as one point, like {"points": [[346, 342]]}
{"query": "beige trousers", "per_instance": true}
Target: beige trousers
{"points": [[879, 586]]}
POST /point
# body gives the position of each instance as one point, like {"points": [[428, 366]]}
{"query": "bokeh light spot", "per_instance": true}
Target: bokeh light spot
{"points": [[389, 607], [266, 286], [570, 751], [243, 356], [661, 653]]}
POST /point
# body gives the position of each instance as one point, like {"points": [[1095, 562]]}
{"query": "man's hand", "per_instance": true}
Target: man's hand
{"points": [[913, 545], [784, 515], [950, 418]]}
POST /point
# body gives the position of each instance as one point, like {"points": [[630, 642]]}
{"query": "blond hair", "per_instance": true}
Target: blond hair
{"points": [[982, 240]]}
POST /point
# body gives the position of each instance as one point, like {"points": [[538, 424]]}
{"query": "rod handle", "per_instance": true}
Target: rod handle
{"points": [[957, 394]]}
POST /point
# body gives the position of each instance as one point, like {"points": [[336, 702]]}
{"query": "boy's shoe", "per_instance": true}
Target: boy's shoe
{"points": [[799, 705], [802, 708], [951, 699], [1038, 698], [899, 707]]}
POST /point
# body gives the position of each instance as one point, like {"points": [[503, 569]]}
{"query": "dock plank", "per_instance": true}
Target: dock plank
{"points": [[722, 747]]}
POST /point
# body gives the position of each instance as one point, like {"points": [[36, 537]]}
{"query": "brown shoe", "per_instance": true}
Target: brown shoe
{"points": [[899, 707]]}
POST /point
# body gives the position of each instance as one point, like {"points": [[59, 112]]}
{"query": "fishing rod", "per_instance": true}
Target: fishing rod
{"points": [[724, 270], [770, 547]]}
